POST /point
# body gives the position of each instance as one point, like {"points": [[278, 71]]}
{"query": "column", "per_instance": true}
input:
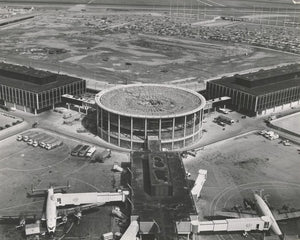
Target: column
{"points": [[131, 132], [101, 124], [184, 131], [37, 101], [173, 133], [159, 129], [145, 128], [108, 126], [194, 126], [119, 130]]}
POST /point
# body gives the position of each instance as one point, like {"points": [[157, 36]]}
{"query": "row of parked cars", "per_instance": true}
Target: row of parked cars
{"points": [[43, 140], [83, 151]]}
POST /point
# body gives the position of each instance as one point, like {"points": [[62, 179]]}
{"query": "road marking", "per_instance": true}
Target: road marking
{"points": [[216, 3], [76, 179], [205, 3]]}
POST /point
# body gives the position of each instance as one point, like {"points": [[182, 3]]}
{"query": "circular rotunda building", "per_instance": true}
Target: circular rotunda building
{"points": [[128, 114]]}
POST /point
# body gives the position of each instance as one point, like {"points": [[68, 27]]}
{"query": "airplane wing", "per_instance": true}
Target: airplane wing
{"points": [[75, 210], [18, 220], [286, 215], [232, 214]]}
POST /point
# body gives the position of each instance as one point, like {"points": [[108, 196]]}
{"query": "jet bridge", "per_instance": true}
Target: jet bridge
{"points": [[63, 199], [232, 225]]}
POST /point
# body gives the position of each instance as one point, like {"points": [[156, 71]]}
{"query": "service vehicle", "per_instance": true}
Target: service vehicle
{"points": [[225, 119]]}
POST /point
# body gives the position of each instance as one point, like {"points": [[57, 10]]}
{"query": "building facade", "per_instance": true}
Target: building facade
{"points": [[261, 92], [127, 115], [34, 90]]}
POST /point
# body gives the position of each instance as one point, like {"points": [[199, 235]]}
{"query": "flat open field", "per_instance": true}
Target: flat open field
{"points": [[290, 123], [110, 46], [238, 167], [225, 3], [22, 166]]}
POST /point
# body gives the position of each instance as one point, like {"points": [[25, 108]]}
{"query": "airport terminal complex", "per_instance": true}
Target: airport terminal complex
{"points": [[33, 90], [128, 114], [261, 92]]}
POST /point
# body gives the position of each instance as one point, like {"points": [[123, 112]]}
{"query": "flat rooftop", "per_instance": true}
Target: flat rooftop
{"points": [[164, 210], [30, 79], [150, 100], [264, 81]]}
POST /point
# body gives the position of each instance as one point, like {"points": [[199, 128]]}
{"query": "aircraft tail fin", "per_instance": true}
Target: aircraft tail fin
{"points": [[281, 237], [38, 190]]}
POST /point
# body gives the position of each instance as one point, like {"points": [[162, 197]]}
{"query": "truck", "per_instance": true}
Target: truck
{"points": [[28, 135], [225, 119], [55, 144], [103, 155]]}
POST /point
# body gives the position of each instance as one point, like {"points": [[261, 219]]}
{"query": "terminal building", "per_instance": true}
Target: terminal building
{"points": [[33, 90], [127, 115], [261, 92]]}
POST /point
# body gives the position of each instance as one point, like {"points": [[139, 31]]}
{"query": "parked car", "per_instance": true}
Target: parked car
{"points": [[83, 150], [76, 150]]}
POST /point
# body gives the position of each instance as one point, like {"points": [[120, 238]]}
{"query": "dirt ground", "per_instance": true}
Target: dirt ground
{"points": [[106, 47], [23, 166], [238, 167]]}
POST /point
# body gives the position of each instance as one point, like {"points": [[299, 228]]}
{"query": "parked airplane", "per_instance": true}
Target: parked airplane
{"points": [[295, 2], [264, 210], [82, 201]]}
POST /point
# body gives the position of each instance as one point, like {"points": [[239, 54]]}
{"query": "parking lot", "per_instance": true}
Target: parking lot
{"points": [[24, 165]]}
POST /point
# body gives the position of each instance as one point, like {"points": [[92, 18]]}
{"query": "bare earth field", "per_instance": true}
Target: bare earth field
{"points": [[238, 167], [225, 3], [111, 47], [24, 165]]}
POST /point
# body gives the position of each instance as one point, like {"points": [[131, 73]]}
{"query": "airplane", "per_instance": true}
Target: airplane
{"points": [[81, 201], [263, 210], [294, 1]]}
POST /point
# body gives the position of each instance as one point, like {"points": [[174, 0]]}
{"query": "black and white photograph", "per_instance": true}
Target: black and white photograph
{"points": [[150, 119]]}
